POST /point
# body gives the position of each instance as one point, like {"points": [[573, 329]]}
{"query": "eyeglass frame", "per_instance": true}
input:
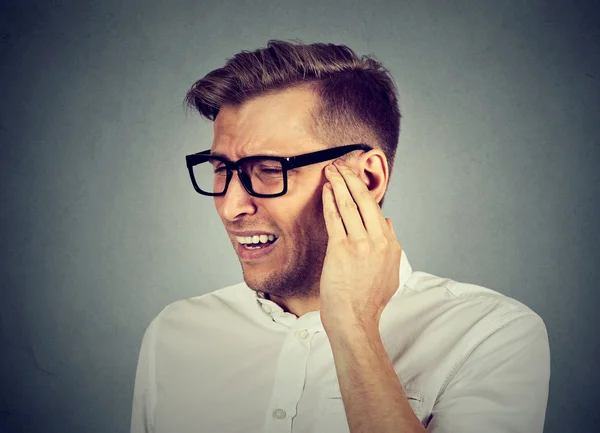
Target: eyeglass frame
{"points": [[287, 163]]}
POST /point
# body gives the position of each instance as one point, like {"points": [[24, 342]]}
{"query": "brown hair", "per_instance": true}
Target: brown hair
{"points": [[358, 99]]}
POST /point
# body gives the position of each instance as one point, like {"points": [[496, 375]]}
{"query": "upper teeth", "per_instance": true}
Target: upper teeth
{"points": [[255, 239]]}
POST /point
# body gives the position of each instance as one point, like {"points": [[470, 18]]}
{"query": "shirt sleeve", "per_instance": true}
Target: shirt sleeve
{"points": [[502, 386], [144, 394]]}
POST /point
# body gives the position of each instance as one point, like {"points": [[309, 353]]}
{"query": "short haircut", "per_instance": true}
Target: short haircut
{"points": [[357, 96]]}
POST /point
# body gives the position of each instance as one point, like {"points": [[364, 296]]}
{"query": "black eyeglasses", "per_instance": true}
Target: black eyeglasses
{"points": [[262, 175]]}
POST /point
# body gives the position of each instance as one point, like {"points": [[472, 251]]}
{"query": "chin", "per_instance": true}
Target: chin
{"points": [[256, 285]]}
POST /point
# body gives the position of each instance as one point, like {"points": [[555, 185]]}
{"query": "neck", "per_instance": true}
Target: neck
{"points": [[296, 306]]}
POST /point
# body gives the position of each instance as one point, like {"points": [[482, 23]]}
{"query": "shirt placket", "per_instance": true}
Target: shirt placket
{"points": [[290, 378]]}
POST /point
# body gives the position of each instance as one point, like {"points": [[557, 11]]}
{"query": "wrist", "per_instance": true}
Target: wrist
{"points": [[351, 326]]}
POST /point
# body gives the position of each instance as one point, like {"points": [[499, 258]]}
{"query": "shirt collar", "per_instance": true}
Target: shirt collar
{"points": [[271, 308]]}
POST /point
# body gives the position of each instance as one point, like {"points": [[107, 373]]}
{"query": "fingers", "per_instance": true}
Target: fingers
{"points": [[361, 215], [346, 205], [333, 219]]}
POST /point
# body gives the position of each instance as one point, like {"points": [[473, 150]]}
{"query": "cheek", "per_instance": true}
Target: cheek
{"points": [[308, 223]]}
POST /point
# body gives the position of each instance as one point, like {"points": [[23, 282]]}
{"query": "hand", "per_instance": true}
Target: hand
{"points": [[362, 263]]}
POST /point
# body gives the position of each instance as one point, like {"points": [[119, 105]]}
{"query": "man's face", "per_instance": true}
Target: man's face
{"points": [[276, 125]]}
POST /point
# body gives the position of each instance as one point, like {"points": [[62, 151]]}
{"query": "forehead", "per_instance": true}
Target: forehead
{"points": [[277, 124]]}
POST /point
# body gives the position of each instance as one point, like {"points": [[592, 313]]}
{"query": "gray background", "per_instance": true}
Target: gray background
{"points": [[496, 181]]}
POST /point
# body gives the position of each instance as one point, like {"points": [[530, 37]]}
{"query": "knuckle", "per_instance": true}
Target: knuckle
{"points": [[382, 245], [392, 247], [362, 245], [338, 243], [350, 204]]}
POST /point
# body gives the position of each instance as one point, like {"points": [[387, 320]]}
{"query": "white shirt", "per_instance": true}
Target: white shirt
{"points": [[469, 360]]}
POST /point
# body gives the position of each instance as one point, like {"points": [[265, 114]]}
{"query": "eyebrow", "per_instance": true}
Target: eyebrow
{"points": [[220, 155]]}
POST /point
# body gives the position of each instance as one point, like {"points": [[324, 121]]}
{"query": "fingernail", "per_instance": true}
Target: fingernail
{"points": [[339, 162], [331, 167]]}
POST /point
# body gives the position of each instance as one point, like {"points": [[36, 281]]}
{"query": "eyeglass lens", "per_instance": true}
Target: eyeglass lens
{"points": [[266, 176]]}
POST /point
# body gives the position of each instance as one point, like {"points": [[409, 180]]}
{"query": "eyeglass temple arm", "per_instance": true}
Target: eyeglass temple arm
{"points": [[324, 155], [311, 158]]}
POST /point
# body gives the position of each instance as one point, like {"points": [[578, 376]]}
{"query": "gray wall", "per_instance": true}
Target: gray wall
{"points": [[496, 181]]}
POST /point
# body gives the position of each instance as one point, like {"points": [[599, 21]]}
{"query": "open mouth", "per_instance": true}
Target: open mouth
{"points": [[258, 246], [258, 249], [257, 242]]}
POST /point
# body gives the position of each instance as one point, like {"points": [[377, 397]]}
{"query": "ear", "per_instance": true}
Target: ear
{"points": [[372, 168]]}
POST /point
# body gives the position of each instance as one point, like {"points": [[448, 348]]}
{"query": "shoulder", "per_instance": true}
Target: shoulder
{"points": [[204, 308], [437, 288], [469, 304], [485, 351]]}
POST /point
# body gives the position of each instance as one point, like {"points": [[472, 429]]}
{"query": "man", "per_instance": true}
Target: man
{"points": [[331, 330]]}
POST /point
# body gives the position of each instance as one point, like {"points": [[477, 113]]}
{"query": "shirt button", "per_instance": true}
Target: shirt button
{"points": [[303, 334], [266, 308], [279, 414]]}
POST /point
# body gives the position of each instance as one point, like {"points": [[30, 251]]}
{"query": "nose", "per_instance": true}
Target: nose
{"points": [[236, 201]]}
